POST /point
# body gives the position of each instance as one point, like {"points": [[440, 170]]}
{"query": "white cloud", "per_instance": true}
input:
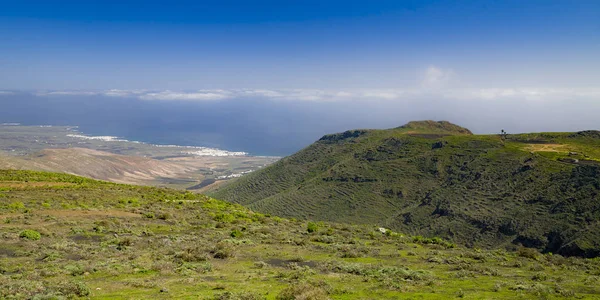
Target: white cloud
{"points": [[264, 93], [530, 94], [435, 78], [202, 95], [435, 83], [123, 93], [472, 94], [6, 93], [67, 93]]}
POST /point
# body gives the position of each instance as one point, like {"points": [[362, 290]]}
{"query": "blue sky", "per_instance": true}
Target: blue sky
{"points": [[188, 45], [270, 77]]}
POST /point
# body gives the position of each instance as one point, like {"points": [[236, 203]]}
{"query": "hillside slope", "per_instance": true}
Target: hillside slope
{"points": [[437, 179], [68, 237]]}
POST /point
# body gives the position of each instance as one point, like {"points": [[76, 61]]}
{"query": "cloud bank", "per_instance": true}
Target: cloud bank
{"points": [[434, 83], [436, 79]]}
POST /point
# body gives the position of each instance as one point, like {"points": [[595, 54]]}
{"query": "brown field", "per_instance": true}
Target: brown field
{"points": [[546, 148]]}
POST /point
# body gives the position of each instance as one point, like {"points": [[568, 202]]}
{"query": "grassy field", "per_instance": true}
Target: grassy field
{"points": [[67, 237], [436, 179]]}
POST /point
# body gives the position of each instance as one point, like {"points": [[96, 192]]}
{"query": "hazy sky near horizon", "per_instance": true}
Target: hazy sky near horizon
{"points": [[276, 75]]}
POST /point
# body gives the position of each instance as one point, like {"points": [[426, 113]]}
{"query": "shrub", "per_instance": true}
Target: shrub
{"points": [[324, 239], [16, 205], [192, 254], [235, 233], [204, 267], [30, 235], [303, 291], [260, 264], [164, 216], [223, 250], [123, 243], [528, 253], [74, 270], [239, 296], [78, 289], [132, 201], [312, 227], [224, 217], [433, 241], [539, 277]]}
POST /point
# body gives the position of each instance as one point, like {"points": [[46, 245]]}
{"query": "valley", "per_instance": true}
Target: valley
{"points": [[64, 149]]}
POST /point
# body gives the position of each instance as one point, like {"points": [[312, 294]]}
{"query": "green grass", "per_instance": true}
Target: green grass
{"points": [[432, 179], [95, 245]]}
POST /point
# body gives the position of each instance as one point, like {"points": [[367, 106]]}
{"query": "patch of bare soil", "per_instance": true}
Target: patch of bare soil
{"points": [[546, 147], [86, 238], [6, 252], [276, 262]]}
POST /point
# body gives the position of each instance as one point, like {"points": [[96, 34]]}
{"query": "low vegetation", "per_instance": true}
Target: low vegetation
{"points": [[102, 240], [436, 179]]}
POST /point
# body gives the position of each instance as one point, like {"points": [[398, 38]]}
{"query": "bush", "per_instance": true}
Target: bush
{"points": [[192, 254], [224, 217], [223, 250], [235, 233], [312, 227], [123, 243], [239, 296], [16, 205], [433, 241], [74, 270], [30, 235], [78, 289], [260, 264], [539, 277], [324, 239], [302, 291], [528, 253], [164, 216]]}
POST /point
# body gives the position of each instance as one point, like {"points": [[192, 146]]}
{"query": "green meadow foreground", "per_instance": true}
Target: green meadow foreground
{"points": [[63, 236]]}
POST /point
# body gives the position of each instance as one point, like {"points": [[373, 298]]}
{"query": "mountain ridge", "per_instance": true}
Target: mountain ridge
{"points": [[535, 189], [435, 126]]}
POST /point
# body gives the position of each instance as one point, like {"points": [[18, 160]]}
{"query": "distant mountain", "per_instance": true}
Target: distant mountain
{"points": [[431, 178]]}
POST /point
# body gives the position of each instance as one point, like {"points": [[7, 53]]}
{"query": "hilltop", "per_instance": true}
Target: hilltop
{"points": [[66, 237], [431, 178], [429, 126]]}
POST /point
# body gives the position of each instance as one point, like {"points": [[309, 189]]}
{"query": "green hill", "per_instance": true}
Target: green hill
{"points": [[68, 237], [431, 178]]}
